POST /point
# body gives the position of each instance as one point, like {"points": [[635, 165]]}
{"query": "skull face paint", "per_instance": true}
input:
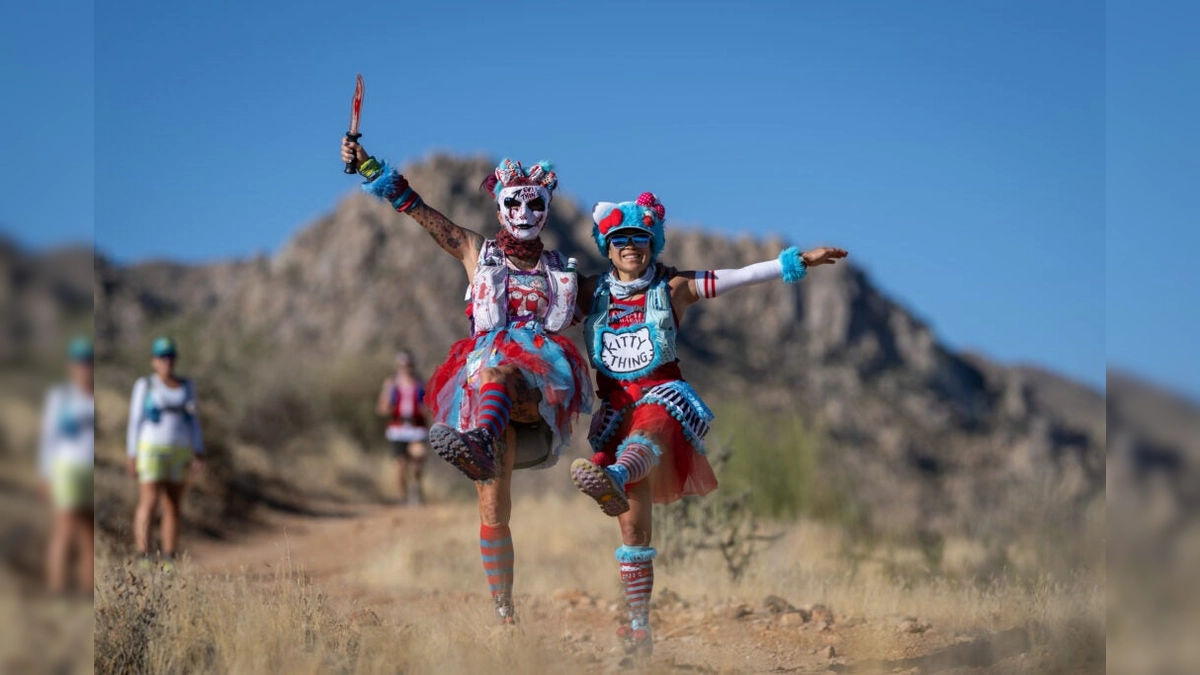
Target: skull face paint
{"points": [[524, 210]]}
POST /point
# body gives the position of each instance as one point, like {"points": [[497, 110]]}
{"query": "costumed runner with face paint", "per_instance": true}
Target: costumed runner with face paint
{"points": [[506, 397], [649, 432]]}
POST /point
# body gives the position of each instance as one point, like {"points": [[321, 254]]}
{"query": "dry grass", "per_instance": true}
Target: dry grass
{"points": [[42, 635], [416, 603], [563, 543], [236, 624], [412, 598]]}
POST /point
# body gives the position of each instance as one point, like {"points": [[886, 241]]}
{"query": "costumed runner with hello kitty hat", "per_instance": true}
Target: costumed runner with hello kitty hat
{"points": [[649, 432]]}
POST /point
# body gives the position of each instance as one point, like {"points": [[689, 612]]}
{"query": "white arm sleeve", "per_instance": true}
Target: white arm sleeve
{"points": [[136, 411], [711, 283], [49, 437]]}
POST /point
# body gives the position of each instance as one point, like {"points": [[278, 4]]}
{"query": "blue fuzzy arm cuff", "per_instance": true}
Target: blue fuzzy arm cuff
{"points": [[383, 184], [794, 268], [635, 554]]}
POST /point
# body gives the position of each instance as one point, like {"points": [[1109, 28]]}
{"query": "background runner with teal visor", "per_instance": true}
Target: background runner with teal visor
{"points": [[81, 350], [163, 347]]}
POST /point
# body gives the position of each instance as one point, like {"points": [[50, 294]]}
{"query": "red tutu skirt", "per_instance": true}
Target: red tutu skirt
{"points": [[682, 469], [550, 363]]}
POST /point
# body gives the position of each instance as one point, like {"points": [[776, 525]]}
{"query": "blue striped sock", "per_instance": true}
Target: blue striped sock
{"points": [[494, 408], [496, 547]]}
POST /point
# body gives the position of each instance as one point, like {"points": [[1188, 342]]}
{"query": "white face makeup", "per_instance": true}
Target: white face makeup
{"points": [[524, 210]]}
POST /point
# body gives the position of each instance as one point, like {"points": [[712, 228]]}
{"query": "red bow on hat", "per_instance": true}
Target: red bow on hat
{"points": [[610, 221], [648, 199]]}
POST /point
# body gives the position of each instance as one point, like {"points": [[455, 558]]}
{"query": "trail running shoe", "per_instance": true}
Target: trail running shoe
{"points": [[506, 614], [168, 564], [599, 484], [473, 452], [638, 642]]}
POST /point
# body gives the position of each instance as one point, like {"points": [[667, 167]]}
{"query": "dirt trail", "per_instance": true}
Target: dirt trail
{"points": [[689, 637], [317, 543]]}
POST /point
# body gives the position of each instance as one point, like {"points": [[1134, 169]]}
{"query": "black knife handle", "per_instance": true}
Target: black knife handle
{"points": [[352, 165]]}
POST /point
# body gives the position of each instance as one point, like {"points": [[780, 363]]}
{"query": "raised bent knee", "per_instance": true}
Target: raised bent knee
{"points": [[491, 374]]}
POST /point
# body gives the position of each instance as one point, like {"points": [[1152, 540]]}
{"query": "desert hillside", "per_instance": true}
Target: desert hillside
{"points": [[927, 438]]}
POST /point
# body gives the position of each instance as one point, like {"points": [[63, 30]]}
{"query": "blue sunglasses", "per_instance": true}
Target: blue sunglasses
{"points": [[619, 241]]}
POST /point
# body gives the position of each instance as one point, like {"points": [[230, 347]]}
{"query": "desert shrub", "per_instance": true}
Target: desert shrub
{"points": [[128, 621], [777, 460], [186, 623], [352, 386], [724, 522], [278, 407]]}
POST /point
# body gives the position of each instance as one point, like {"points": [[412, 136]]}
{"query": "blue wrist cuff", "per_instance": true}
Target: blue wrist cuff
{"points": [[382, 185], [794, 268]]}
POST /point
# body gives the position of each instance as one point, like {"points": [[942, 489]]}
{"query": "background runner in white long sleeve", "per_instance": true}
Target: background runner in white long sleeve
{"points": [[163, 440], [68, 434], [66, 464]]}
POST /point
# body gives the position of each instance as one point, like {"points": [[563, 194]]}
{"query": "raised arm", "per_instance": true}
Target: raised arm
{"points": [[791, 265], [386, 183]]}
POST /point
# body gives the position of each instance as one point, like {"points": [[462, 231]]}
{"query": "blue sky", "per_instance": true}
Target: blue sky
{"points": [[46, 160], [957, 149], [1153, 234]]}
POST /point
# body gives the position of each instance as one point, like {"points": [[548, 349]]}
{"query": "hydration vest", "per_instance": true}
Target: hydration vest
{"points": [[489, 290], [152, 411], [394, 403], [633, 352], [69, 424]]}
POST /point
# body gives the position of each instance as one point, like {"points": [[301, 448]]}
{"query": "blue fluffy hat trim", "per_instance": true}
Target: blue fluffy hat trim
{"points": [[632, 217]]}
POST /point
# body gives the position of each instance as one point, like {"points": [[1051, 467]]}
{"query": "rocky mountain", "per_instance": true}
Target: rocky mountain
{"points": [[1154, 471], [932, 437], [41, 297]]}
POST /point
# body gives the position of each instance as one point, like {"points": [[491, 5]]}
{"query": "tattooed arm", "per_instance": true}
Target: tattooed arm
{"points": [[458, 241], [386, 183]]}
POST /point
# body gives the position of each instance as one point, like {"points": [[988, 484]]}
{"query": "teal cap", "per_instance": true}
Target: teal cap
{"points": [[81, 349], [163, 346]]}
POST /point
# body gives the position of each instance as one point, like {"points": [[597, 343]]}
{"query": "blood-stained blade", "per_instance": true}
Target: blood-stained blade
{"points": [[356, 108]]}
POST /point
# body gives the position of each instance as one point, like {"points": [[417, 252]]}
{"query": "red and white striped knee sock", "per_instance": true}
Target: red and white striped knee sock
{"points": [[636, 458], [637, 576]]}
